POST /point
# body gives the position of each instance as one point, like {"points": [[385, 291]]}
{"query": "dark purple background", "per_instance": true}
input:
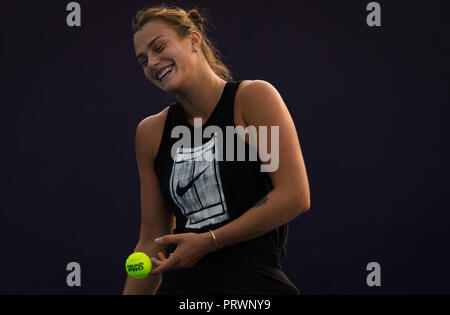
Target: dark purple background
{"points": [[371, 107]]}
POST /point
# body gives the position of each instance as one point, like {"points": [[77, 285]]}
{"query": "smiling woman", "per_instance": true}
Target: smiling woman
{"points": [[183, 23], [211, 226]]}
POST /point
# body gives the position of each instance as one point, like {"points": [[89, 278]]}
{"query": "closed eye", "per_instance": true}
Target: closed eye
{"points": [[143, 62], [159, 49]]}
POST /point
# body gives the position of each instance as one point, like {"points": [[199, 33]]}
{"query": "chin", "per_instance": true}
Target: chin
{"points": [[171, 86]]}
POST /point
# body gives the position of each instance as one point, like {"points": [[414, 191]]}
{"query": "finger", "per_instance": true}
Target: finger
{"points": [[156, 261], [160, 259], [166, 265], [168, 239], [157, 270], [159, 262], [162, 256]]}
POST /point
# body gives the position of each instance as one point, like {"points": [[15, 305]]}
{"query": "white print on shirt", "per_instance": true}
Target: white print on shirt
{"points": [[196, 187]]}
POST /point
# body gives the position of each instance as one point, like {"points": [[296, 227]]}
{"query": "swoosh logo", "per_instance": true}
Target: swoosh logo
{"points": [[182, 190]]}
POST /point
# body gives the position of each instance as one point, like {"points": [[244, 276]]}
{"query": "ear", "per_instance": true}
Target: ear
{"points": [[196, 39]]}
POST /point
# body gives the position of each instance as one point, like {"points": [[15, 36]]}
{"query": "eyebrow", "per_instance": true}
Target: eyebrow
{"points": [[149, 45]]}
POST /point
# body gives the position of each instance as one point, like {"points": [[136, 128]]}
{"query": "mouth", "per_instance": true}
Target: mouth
{"points": [[164, 72]]}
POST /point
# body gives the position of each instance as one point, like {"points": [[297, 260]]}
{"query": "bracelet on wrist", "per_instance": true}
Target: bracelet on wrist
{"points": [[215, 240]]}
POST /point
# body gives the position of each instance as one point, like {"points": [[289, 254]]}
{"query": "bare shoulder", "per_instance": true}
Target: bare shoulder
{"points": [[149, 133], [257, 96], [250, 89]]}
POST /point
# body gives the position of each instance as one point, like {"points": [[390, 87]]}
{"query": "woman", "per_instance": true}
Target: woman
{"points": [[220, 226]]}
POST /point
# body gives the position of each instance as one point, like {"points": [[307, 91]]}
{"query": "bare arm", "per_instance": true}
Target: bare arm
{"points": [[156, 219], [263, 106]]}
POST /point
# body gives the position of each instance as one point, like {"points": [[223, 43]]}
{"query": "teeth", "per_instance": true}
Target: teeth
{"points": [[163, 73]]}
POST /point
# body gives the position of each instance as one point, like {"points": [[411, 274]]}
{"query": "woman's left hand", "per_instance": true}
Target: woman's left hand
{"points": [[191, 247]]}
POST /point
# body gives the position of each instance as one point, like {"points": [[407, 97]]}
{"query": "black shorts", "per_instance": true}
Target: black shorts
{"points": [[244, 275]]}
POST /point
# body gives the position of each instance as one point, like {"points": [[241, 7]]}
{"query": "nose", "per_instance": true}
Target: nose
{"points": [[153, 62], [153, 59]]}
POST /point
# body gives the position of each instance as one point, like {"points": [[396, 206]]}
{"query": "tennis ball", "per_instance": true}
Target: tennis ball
{"points": [[138, 265]]}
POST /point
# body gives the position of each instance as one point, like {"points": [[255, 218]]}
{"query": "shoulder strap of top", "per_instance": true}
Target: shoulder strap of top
{"points": [[171, 113], [226, 109]]}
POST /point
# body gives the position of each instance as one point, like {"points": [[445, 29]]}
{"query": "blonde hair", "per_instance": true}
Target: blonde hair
{"points": [[183, 23]]}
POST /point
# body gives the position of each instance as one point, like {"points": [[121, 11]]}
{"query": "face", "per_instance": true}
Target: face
{"points": [[167, 59]]}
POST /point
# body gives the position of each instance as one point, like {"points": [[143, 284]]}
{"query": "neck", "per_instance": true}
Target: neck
{"points": [[201, 95]]}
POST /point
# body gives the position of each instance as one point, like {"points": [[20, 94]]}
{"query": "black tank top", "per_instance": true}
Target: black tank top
{"points": [[207, 194]]}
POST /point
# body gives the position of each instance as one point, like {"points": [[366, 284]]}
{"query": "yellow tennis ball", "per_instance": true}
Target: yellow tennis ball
{"points": [[138, 265]]}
